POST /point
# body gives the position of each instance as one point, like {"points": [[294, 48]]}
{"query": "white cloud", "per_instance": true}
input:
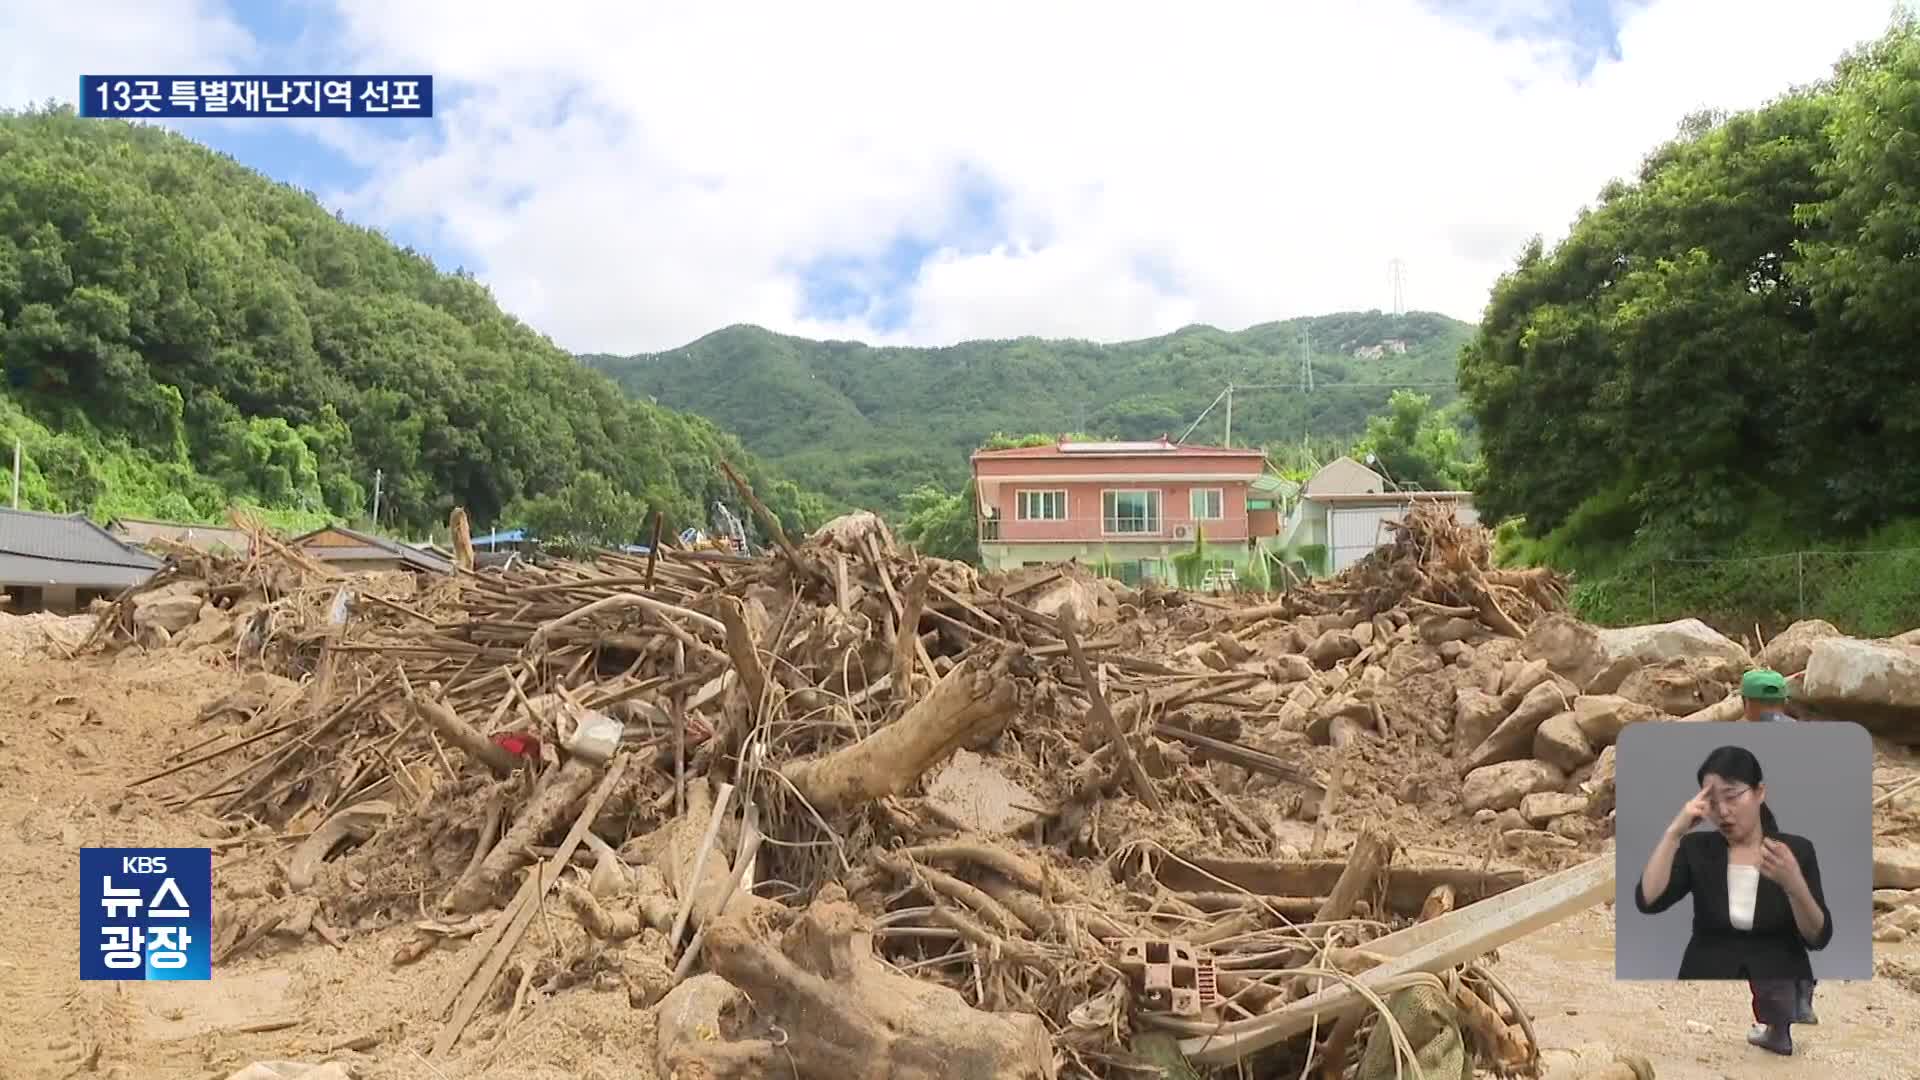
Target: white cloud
{"points": [[49, 44], [633, 176]]}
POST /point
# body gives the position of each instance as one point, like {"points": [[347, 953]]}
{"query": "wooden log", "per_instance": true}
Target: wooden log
{"points": [[462, 538], [1235, 754], [444, 720], [653, 549], [1136, 775], [1364, 864], [967, 704], [1329, 805], [1293, 907], [490, 955], [562, 789], [1407, 886], [906, 641]]}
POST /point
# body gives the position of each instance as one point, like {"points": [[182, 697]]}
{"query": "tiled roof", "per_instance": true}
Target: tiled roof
{"points": [[66, 549]]}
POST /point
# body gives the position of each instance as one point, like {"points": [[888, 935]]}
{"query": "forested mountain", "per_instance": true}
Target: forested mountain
{"points": [[1723, 358], [868, 425], [177, 331]]}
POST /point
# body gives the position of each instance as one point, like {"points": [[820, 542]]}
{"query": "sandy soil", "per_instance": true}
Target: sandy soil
{"points": [[74, 733]]}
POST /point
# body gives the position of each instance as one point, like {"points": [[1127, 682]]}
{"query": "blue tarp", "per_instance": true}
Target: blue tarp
{"points": [[510, 536]]}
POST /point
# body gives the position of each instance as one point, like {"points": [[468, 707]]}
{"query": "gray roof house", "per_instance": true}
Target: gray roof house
{"points": [[60, 562], [351, 550]]}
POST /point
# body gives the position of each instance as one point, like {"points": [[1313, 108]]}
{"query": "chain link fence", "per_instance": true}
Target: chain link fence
{"points": [[1869, 593]]}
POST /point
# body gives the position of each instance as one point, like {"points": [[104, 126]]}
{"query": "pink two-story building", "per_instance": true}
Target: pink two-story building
{"points": [[1134, 504]]}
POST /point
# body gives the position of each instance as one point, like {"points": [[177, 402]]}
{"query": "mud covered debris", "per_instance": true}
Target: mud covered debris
{"points": [[793, 806]]}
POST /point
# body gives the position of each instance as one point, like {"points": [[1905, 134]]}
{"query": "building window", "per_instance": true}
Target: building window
{"points": [[1207, 504], [1130, 512], [1040, 506]]}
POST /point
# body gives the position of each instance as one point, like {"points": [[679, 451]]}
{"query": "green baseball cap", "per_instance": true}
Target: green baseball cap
{"points": [[1763, 684]]}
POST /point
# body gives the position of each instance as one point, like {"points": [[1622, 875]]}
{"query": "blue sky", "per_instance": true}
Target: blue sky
{"points": [[925, 174]]}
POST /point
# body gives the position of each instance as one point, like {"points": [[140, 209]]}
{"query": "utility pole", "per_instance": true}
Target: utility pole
{"points": [[16, 474], [377, 475], [1229, 440]]}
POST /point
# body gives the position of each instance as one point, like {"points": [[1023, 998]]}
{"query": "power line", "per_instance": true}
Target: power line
{"points": [[1353, 385]]}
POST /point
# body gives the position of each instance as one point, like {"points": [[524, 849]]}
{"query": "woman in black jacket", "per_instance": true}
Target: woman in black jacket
{"points": [[1757, 905]]}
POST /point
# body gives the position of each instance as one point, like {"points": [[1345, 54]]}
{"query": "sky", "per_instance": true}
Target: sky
{"points": [[628, 176]]}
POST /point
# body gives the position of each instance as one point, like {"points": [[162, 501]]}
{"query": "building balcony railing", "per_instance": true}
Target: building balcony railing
{"points": [[1117, 528]]}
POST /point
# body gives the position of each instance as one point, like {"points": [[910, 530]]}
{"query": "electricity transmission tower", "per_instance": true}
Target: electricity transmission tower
{"points": [[1306, 356], [1397, 275]]}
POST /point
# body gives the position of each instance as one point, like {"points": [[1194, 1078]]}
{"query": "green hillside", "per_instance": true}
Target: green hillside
{"points": [[867, 425], [178, 332]]}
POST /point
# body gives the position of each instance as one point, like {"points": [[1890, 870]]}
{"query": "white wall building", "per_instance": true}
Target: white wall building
{"points": [[1345, 507]]}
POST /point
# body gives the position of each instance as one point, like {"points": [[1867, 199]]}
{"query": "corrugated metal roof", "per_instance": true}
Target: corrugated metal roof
{"points": [[508, 536], [66, 538]]}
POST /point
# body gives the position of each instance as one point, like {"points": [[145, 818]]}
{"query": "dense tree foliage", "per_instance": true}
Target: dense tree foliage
{"points": [[941, 523], [1419, 446], [869, 425], [171, 318], [1727, 342]]}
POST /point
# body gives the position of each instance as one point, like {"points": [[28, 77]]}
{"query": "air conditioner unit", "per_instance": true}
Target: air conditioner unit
{"points": [[1181, 532]]}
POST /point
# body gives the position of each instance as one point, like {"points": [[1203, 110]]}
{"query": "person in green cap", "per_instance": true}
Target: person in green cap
{"points": [[1763, 692]]}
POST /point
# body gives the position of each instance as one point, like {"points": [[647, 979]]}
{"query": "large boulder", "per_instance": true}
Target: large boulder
{"points": [[1289, 668], [1631, 647], [172, 607], [1543, 806], [1410, 660], [1598, 786], [1513, 738], [1517, 684], [1561, 743], [1475, 714], [1787, 653], [1874, 684], [1331, 647], [1570, 647], [1502, 786], [1602, 717], [1681, 687], [1896, 868]]}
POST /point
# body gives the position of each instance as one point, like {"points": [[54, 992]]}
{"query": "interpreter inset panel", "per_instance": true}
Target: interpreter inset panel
{"points": [[1744, 851]]}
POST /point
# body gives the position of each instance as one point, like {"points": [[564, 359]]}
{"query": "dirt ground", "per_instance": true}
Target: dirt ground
{"points": [[74, 733]]}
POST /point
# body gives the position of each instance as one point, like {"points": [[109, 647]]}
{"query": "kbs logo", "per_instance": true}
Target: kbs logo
{"points": [[146, 913]]}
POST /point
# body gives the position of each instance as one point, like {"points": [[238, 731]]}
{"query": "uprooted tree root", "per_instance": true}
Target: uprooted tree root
{"points": [[831, 1007]]}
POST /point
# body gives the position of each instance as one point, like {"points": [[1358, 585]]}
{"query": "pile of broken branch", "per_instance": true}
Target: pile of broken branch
{"points": [[857, 812]]}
